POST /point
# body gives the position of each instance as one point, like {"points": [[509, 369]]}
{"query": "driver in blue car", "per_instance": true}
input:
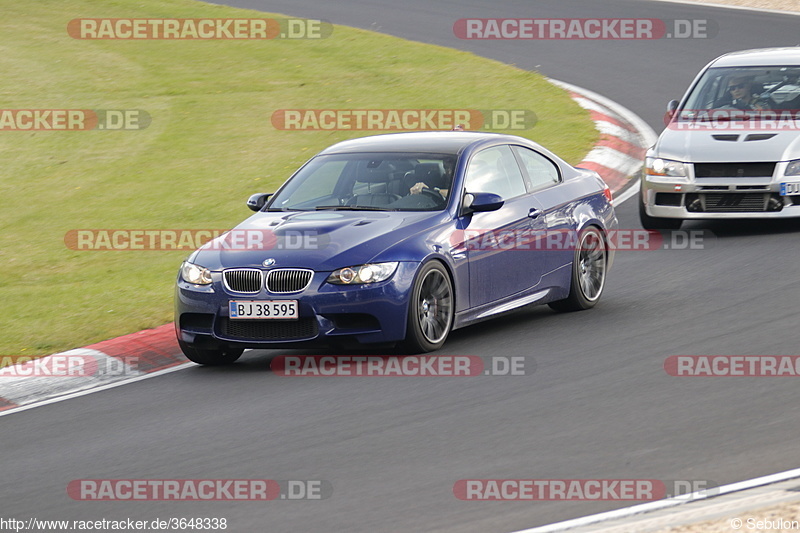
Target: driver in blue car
{"points": [[439, 181]]}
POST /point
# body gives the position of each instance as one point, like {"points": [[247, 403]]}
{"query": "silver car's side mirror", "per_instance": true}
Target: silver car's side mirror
{"points": [[672, 107]]}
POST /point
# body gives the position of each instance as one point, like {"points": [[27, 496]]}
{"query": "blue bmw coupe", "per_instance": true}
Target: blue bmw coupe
{"points": [[398, 238]]}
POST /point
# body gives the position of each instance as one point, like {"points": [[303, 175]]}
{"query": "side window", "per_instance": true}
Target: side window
{"points": [[495, 170], [541, 171]]}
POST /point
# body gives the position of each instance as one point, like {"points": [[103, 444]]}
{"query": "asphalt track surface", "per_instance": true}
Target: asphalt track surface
{"points": [[595, 403]]}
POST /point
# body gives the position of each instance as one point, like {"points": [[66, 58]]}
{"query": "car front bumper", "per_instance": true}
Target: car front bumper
{"points": [[718, 199], [328, 314]]}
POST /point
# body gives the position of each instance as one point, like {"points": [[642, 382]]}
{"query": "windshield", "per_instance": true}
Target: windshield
{"points": [[369, 181], [750, 89]]}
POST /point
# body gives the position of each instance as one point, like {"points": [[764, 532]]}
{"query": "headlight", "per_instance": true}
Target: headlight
{"points": [[655, 166], [195, 274], [371, 273], [793, 169]]}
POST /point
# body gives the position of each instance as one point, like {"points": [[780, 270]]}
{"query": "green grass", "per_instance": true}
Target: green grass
{"points": [[209, 146]]}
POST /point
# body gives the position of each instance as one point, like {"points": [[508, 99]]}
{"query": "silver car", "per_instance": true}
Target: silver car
{"points": [[731, 148]]}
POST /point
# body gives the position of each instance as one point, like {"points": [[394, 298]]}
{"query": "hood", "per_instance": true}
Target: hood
{"points": [[319, 240], [746, 146]]}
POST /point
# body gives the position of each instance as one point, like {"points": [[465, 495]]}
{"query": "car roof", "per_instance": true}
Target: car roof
{"points": [[760, 57], [440, 142]]}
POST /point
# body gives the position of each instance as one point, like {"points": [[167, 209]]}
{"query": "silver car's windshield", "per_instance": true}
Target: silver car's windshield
{"points": [[749, 89], [369, 182]]}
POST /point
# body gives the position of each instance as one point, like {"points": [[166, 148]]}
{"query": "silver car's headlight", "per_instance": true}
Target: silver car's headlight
{"points": [[793, 169], [655, 166], [195, 274], [369, 273]]}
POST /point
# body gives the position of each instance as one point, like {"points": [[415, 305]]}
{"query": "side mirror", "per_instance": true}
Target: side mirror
{"points": [[672, 106], [479, 202], [257, 201]]}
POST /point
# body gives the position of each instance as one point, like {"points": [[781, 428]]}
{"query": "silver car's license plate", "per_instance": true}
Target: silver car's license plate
{"points": [[790, 189], [262, 309]]}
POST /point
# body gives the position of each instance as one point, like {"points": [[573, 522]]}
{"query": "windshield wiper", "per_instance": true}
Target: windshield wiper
{"points": [[351, 208]]}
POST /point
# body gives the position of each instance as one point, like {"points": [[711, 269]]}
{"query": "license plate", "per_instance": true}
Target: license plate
{"points": [[790, 189], [261, 309]]}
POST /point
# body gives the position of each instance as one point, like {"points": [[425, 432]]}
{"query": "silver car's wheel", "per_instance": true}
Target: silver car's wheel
{"points": [[588, 272], [430, 315]]}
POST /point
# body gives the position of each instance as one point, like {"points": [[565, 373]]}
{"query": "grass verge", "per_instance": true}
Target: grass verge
{"points": [[210, 145]]}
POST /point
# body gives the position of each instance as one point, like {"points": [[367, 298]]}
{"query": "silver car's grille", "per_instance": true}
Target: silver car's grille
{"points": [[288, 279], [734, 170], [243, 279], [736, 203]]}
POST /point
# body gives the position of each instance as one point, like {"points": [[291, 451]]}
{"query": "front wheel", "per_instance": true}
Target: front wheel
{"points": [[204, 356], [588, 273], [430, 309]]}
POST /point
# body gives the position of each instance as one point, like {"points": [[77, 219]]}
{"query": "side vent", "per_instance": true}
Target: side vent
{"points": [[759, 136]]}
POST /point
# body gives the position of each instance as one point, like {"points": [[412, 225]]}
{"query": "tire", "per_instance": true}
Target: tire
{"points": [[430, 309], [203, 356], [656, 223], [588, 273]]}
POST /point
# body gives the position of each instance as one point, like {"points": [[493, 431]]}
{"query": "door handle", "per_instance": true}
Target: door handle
{"points": [[534, 213]]}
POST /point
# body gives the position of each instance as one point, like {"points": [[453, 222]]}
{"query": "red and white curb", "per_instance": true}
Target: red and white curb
{"points": [[617, 155], [94, 367], [624, 138]]}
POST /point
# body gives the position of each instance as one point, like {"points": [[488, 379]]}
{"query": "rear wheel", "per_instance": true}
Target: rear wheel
{"points": [[205, 356], [430, 310], [588, 273], [656, 223]]}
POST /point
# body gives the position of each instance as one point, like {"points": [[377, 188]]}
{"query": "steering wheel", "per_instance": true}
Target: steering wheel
{"points": [[435, 195]]}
